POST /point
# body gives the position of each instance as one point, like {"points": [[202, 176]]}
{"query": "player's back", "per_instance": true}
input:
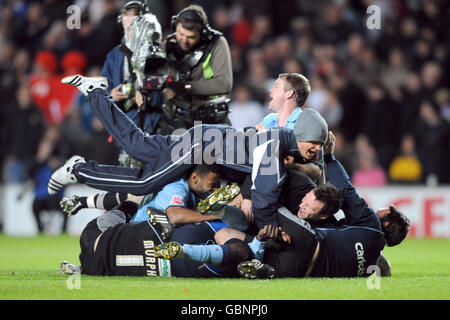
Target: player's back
{"points": [[128, 249], [347, 251]]}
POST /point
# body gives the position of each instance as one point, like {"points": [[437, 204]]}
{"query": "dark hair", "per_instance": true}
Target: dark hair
{"points": [[300, 84], [397, 228], [331, 197], [204, 169], [197, 13]]}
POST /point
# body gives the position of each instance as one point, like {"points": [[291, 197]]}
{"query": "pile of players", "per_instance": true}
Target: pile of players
{"points": [[177, 213]]}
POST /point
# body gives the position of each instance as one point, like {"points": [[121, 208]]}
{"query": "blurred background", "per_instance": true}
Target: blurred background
{"points": [[384, 92]]}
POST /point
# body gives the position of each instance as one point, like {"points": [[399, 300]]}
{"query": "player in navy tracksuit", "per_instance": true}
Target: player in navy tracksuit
{"points": [[166, 158], [347, 250]]}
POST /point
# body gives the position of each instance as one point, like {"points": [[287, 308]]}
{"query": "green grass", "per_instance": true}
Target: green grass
{"points": [[421, 270]]}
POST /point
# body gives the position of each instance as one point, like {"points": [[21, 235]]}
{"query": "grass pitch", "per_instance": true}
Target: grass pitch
{"points": [[421, 270]]}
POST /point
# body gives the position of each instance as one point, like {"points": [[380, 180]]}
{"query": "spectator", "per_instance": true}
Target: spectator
{"points": [[344, 151], [413, 98], [383, 112], [42, 83], [354, 105], [49, 155], [431, 75], [432, 136], [442, 98], [321, 39], [395, 72], [245, 111], [406, 167], [367, 172], [24, 128]]}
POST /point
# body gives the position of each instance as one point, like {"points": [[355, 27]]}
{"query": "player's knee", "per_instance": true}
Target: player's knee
{"points": [[225, 234], [239, 251]]}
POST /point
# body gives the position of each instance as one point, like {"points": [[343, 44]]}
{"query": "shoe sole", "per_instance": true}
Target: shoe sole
{"points": [[249, 271], [219, 198], [167, 251]]}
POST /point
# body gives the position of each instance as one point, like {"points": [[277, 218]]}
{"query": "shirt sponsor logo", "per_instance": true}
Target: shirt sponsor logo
{"points": [[164, 268], [360, 257], [177, 200]]}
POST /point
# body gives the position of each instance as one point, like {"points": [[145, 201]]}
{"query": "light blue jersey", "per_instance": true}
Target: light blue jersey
{"points": [[271, 120], [174, 194]]}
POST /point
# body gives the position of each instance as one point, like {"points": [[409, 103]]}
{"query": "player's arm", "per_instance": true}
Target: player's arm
{"points": [[182, 215], [355, 208], [173, 200]]}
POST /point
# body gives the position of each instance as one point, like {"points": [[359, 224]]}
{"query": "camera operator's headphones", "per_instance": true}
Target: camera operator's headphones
{"points": [[206, 33], [141, 7]]}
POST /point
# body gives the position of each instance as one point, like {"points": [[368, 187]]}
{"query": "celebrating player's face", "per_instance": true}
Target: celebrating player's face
{"points": [[310, 207], [277, 95], [309, 150], [203, 186]]}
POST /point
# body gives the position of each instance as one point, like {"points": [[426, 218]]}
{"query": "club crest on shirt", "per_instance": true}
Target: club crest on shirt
{"points": [[177, 200]]}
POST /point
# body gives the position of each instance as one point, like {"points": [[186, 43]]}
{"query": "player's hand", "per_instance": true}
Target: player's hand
{"points": [[246, 208], [178, 87], [139, 99], [71, 206], [331, 143], [237, 202], [117, 95], [289, 162], [259, 127], [285, 237], [275, 233], [168, 93], [268, 232]]}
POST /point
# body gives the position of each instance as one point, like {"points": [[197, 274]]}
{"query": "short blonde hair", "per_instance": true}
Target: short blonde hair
{"points": [[299, 83]]}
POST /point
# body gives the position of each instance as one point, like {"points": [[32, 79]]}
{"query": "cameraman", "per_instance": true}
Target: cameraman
{"points": [[118, 69], [200, 69]]}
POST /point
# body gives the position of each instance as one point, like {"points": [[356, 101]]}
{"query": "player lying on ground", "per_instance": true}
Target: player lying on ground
{"points": [[112, 247], [175, 204], [167, 158], [347, 250]]}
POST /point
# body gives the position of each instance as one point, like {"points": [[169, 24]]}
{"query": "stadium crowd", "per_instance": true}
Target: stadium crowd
{"points": [[384, 92]]}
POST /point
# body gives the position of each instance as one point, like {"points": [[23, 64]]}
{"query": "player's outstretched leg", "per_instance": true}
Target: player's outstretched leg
{"points": [[63, 176], [255, 269], [86, 84]]}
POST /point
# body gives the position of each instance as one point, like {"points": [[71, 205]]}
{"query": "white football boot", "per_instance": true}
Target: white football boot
{"points": [[63, 176], [86, 84]]}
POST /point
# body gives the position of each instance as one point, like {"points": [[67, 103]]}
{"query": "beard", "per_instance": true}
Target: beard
{"points": [[201, 195]]}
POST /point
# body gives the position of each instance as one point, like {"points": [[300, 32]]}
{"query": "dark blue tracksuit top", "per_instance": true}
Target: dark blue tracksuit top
{"points": [[347, 250], [166, 158]]}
